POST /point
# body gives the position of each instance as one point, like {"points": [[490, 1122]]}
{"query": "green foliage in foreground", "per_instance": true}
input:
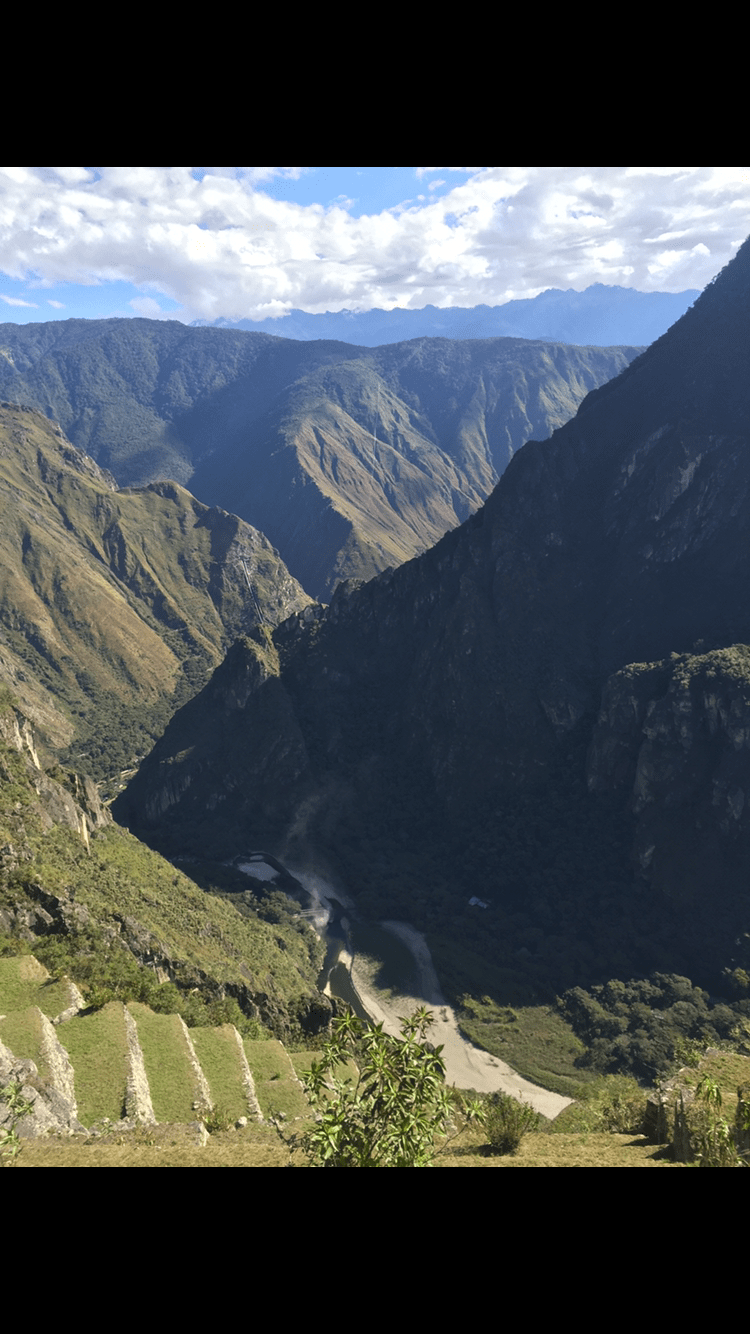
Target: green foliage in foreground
{"points": [[390, 1115], [18, 1106], [717, 1145]]}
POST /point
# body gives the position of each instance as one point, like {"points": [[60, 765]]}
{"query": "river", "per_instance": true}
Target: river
{"points": [[350, 976]]}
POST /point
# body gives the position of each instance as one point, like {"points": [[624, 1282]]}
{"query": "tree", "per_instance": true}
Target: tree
{"points": [[390, 1113]]}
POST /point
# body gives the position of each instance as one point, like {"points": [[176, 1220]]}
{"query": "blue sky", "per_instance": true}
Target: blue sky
{"points": [[249, 242]]}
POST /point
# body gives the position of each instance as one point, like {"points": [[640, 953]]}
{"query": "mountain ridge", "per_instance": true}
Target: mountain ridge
{"points": [[349, 459], [601, 314], [115, 603], [455, 699]]}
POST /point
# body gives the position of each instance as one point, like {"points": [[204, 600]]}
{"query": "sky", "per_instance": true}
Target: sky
{"points": [[202, 243]]}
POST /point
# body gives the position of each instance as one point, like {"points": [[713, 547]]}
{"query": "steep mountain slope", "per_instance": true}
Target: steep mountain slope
{"points": [[115, 915], [363, 464], [551, 698], [116, 605], [351, 460]]}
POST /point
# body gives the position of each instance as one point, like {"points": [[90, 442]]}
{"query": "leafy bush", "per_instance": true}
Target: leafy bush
{"points": [[391, 1113], [507, 1121], [716, 1146], [218, 1118]]}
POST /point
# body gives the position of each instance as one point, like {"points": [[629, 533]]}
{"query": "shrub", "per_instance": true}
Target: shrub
{"points": [[390, 1114], [507, 1121], [716, 1145], [218, 1118]]}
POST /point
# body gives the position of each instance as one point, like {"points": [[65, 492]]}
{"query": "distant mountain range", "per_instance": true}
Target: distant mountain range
{"points": [[350, 460], [549, 709], [599, 316]]}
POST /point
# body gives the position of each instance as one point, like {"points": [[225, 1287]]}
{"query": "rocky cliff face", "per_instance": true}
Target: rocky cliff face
{"points": [[673, 740], [65, 799], [476, 673]]}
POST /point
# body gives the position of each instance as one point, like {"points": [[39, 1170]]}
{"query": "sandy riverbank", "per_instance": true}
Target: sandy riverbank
{"points": [[466, 1066]]}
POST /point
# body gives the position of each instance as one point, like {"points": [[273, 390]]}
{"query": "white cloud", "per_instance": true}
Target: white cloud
{"points": [[146, 306], [217, 245], [18, 301], [59, 305]]}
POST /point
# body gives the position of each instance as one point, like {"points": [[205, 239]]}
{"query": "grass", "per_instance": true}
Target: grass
{"points": [[20, 980], [534, 1039], [22, 1032], [610, 1103], [302, 1061], [24, 981], [278, 1091], [729, 1069], [197, 930], [171, 1076], [259, 1146], [162, 1146], [219, 1055], [545, 1150], [97, 1048]]}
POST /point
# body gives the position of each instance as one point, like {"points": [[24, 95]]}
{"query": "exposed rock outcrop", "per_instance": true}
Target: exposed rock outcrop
{"points": [[52, 1111]]}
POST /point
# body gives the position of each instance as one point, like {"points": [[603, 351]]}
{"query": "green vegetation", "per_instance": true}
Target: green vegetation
{"points": [[506, 1121], [11, 1096], [126, 925], [97, 1046], [391, 1113], [24, 981], [615, 1104], [116, 606], [21, 1030], [709, 1107], [279, 1092], [260, 1146], [220, 1060], [642, 1026], [536, 1040], [716, 1146], [176, 1095]]}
